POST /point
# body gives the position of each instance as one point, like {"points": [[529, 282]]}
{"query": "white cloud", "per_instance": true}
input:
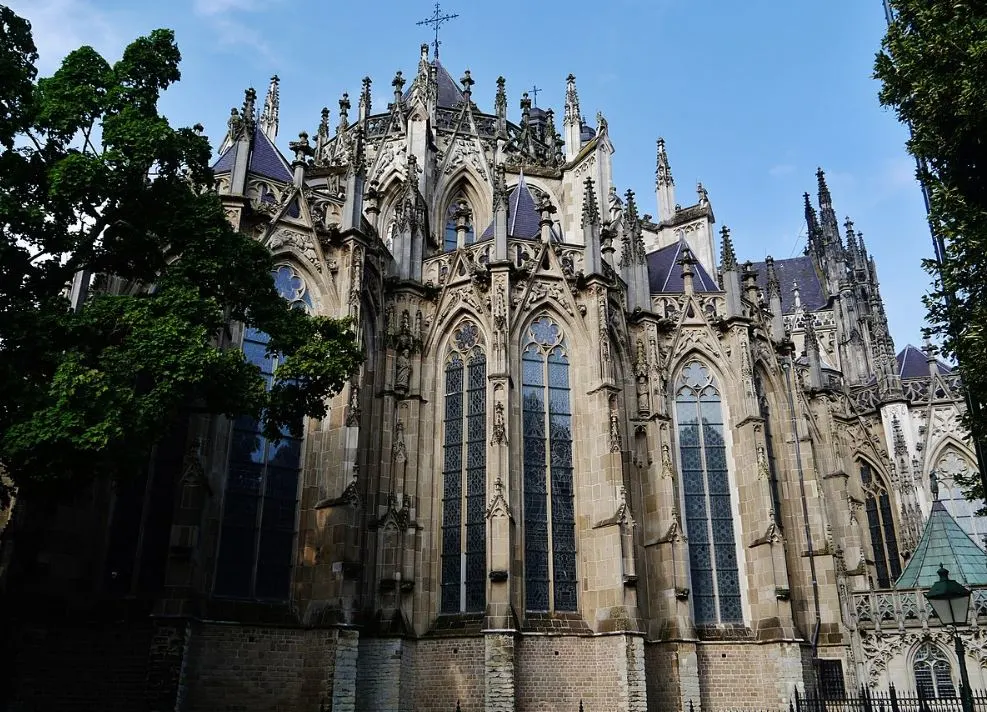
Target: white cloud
{"points": [[224, 18], [781, 169], [60, 26]]}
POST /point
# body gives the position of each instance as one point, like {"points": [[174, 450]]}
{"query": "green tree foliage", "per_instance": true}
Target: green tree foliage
{"points": [[933, 67], [93, 180]]}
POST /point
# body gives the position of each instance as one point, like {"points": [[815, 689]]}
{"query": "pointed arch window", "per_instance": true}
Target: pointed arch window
{"points": [[549, 517], [260, 499], [464, 539], [952, 470], [933, 672], [451, 238], [707, 500], [880, 522]]}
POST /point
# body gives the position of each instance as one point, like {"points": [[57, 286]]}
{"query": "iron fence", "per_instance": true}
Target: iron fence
{"points": [[890, 701]]}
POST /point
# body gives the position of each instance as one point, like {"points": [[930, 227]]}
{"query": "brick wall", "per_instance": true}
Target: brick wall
{"points": [[555, 673], [736, 676], [245, 668], [447, 670]]}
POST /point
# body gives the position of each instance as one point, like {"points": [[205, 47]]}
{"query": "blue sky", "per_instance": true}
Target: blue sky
{"points": [[750, 96]]}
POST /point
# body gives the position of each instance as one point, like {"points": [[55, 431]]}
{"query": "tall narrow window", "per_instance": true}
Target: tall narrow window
{"points": [[261, 495], [451, 239], [549, 517], [880, 521], [464, 540], [706, 490], [933, 673]]}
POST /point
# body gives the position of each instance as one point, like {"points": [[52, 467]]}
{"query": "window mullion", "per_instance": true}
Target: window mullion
{"points": [[704, 464], [546, 390]]}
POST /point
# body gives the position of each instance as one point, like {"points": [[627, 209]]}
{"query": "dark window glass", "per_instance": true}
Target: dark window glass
{"points": [[880, 523]]}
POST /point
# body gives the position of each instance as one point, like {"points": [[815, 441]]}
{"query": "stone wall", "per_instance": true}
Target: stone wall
{"points": [[448, 670], [742, 675], [556, 673], [242, 668]]}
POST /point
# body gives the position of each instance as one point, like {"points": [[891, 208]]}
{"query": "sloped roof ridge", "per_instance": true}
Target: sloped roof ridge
{"points": [[944, 543]]}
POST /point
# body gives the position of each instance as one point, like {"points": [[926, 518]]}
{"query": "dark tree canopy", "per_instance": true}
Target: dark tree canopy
{"points": [[94, 182], [933, 67]]}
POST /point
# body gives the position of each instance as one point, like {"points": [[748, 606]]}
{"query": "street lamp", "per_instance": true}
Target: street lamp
{"points": [[951, 602]]}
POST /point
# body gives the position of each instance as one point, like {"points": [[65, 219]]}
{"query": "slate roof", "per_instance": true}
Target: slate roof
{"points": [[665, 274], [448, 93], [944, 542], [796, 269], [522, 215], [912, 363], [265, 159]]}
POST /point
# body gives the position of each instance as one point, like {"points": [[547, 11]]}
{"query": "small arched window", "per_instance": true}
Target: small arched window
{"points": [[464, 474], [933, 672], [458, 206], [549, 517], [880, 521], [260, 499], [706, 491]]}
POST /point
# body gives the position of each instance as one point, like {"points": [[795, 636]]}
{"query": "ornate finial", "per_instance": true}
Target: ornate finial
{"points": [[301, 148], [774, 286], [436, 21], [365, 100], [467, 82], [702, 193], [934, 485], [272, 104], [591, 211], [249, 111], [500, 103], [572, 114], [663, 171], [825, 200], [344, 107], [630, 210], [324, 122], [728, 258], [398, 84], [500, 196]]}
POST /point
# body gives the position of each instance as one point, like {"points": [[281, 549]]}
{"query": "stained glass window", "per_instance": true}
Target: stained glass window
{"points": [[261, 495], [933, 672], [952, 469], [707, 500], [549, 517], [464, 470], [880, 523]]}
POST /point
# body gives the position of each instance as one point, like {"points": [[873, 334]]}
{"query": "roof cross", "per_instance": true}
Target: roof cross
{"points": [[534, 93], [437, 19]]}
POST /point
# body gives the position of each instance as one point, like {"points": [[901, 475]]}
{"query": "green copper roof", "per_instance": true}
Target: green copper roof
{"points": [[944, 542]]}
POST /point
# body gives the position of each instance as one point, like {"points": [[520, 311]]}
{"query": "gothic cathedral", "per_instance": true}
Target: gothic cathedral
{"points": [[591, 457]]}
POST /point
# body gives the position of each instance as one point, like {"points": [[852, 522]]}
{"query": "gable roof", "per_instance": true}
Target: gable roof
{"points": [[797, 269], [944, 543], [912, 363], [665, 273], [265, 159]]}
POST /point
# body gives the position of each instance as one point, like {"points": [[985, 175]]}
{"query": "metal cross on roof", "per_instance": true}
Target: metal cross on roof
{"points": [[534, 93], [437, 19]]}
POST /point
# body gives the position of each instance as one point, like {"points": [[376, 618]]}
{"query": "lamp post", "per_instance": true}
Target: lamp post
{"points": [[951, 602]]}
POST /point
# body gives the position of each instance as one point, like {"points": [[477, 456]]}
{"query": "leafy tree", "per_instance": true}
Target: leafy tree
{"points": [[94, 181], [933, 67]]}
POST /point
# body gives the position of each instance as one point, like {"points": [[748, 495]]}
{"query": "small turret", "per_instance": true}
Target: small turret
{"points": [[572, 121], [272, 108], [774, 301], [731, 275]]}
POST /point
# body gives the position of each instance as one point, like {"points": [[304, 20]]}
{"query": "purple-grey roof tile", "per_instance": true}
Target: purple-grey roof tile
{"points": [[226, 161], [448, 93], [265, 160], [797, 269], [665, 274], [912, 363], [522, 214]]}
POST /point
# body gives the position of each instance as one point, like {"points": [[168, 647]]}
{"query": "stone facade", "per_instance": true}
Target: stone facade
{"points": [[554, 529]]}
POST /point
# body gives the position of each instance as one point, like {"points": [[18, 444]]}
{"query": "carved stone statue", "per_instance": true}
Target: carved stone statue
{"points": [[616, 208], [402, 376], [643, 406], [615, 443]]}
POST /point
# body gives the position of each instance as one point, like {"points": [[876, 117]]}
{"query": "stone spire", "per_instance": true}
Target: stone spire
{"points": [[344, 109], [827, 216], [249, 110], [591, 210], [664, 185], [366, 103], [728, 258], [572, 120], [814, 238], [272, 107]]}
